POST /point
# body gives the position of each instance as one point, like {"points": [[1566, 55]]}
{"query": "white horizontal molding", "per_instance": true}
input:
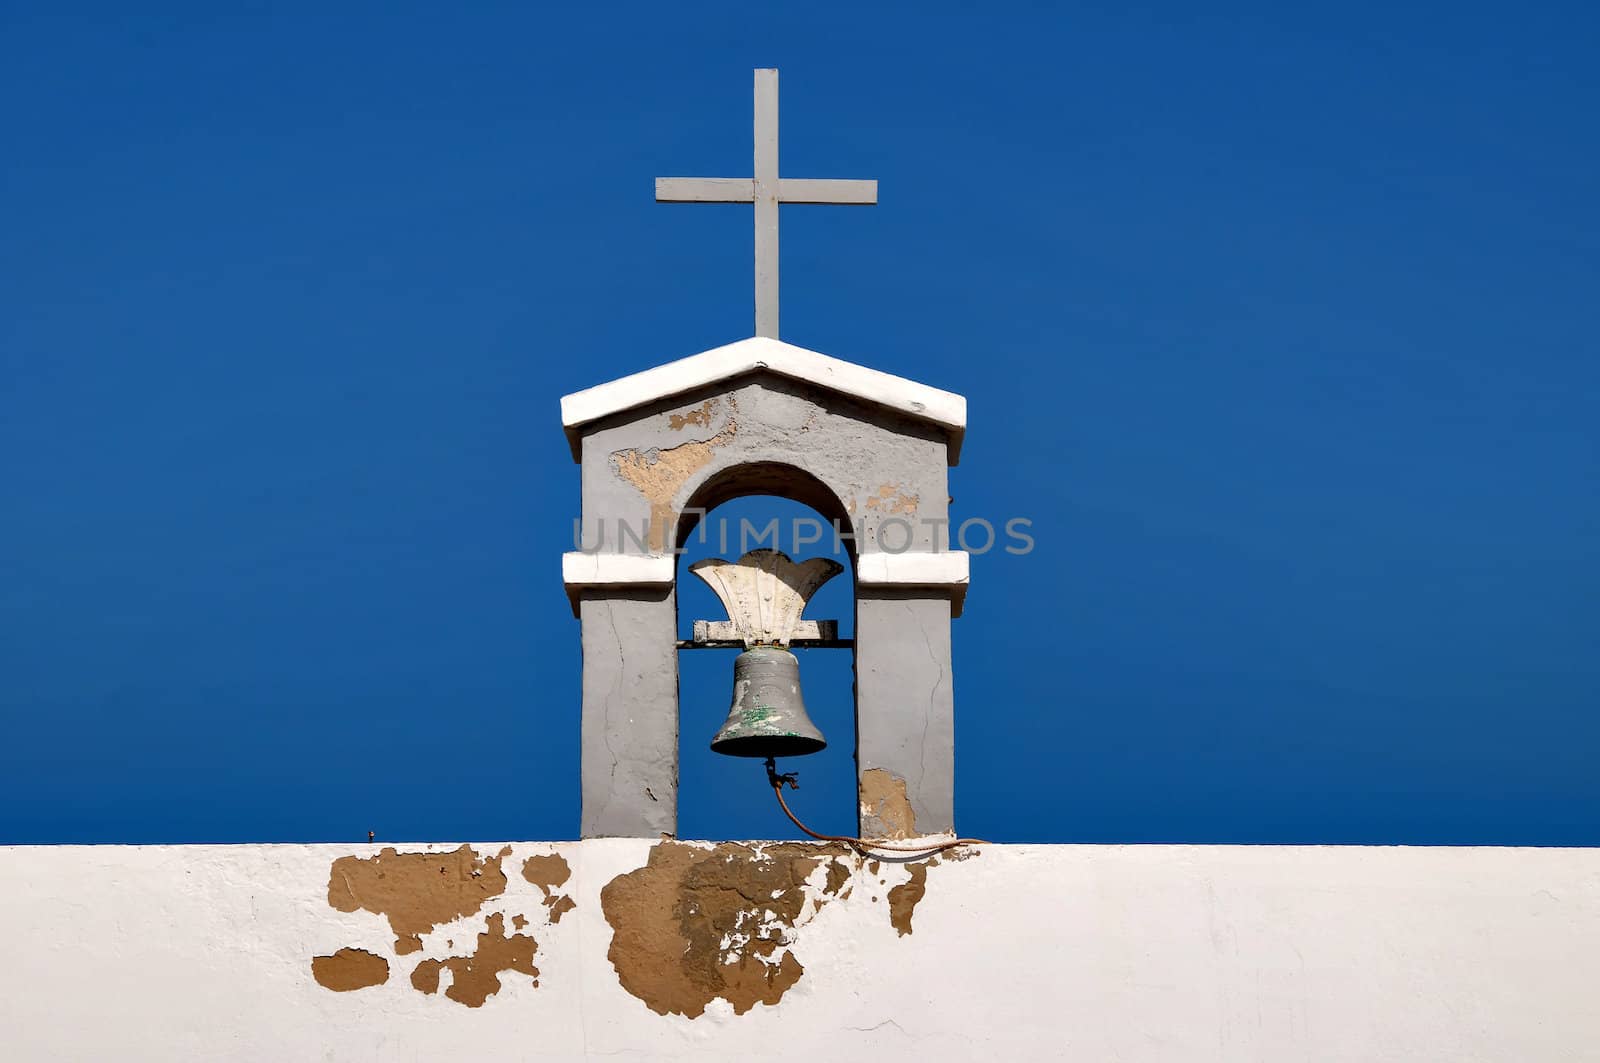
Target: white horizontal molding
{"points": [[938, 568], [580, 571], [945, 569], [593, 570], [918, 401]]}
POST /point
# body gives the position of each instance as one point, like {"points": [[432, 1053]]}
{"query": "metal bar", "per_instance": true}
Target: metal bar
{"points": [[705, 190], [725, 631], [812, 190], [797, 644], [766, 202]]}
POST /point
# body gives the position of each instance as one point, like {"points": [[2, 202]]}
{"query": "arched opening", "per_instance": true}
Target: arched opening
{"points": [[723, 797]]}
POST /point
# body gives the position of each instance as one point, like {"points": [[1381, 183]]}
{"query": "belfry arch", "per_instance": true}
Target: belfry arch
{"points": [[721, 796], [779, 479], [765, 417]]}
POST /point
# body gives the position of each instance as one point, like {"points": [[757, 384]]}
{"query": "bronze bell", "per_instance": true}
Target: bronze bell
{"points": [[765, 592], [768, 717]]}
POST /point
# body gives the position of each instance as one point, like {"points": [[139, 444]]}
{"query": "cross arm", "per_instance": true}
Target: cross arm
{"points": [[809, 190], [705, 190], [743, 190]]}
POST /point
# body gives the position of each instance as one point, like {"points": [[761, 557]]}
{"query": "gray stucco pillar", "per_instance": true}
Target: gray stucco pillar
{"points": [[630, 712], [905, 713]]}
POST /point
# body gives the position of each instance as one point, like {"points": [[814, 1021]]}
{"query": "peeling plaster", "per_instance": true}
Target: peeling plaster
{"points": [[904, 897], [549, 873], [700, 415], [1145, 952], [660, 473], [885, 808], [690, 925], [349, 969], [476, 978], [420, 892], [701, 923], [893, 498], [416, 891]]}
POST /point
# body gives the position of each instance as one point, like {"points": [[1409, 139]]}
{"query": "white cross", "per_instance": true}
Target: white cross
{"points": [[766, 190]]}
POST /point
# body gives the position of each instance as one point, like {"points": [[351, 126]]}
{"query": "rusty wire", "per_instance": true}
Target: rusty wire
{"points": [[861, 845]]}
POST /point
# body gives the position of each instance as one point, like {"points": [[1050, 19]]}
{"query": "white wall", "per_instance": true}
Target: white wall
{"points": [[1030, 952]]}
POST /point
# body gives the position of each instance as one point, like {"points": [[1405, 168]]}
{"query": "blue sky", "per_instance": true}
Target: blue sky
{"points": [[1279, 323]]}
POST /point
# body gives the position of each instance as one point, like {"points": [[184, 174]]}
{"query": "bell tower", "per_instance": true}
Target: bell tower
{"points": [[869, 451]]}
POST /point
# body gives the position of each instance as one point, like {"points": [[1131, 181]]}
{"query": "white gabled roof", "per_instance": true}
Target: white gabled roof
{"points": [[943, 408]]}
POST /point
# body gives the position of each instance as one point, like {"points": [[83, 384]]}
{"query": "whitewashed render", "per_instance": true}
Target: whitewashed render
{"points": [[1018, 952]]}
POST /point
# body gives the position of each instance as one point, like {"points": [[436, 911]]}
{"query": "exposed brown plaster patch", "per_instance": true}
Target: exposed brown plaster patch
{"points": [[426, 976], [476, 978], [904, 897], [416, 891], [546, 872], [892, 498], [838, 875], [349, 969], [518, 921], [549, 873], [885, 808], [700, 415], [671, 916], [659, 473], [696, 924]]}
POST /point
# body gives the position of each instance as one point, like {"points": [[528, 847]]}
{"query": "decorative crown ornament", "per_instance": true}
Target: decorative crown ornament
{"points": [[765, 591]]}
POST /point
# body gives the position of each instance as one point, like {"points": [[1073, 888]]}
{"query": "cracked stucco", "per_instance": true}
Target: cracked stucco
{"points": [[885, 809], [659, 474], [892, 498], [857, 451], [630, 746], [907, 751]]}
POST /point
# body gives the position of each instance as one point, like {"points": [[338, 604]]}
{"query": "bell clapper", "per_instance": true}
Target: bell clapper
{"points": [[776, 780]]}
